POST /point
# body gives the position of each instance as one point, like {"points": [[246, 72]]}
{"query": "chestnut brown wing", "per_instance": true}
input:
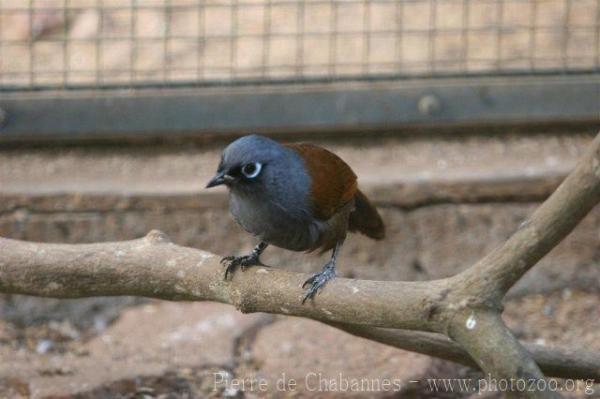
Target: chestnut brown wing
{"points": [[333, 182]]}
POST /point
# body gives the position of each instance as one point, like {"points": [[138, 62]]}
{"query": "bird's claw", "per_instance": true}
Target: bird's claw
{"points": [[317, 281], [232, 262]]}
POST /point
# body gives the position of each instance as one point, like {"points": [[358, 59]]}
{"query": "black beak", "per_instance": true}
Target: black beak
{"points": [[218, 179]]}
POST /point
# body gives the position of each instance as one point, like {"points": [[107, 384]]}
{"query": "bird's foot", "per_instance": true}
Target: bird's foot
{"points": [[232, 262], [318, 280]]}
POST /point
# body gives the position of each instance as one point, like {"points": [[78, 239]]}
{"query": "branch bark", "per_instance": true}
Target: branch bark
{"points": [[155, 267], [572, 363], [496, 351], [550, 223]]}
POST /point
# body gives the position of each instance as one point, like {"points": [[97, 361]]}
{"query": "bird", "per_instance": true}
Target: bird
{"points": [[296, 196]]}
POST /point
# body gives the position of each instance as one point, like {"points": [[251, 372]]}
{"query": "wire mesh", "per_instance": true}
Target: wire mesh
{"points": [[76, 43]]}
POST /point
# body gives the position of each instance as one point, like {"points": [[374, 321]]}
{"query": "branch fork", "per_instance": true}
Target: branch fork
{"points": [[456, 318]]}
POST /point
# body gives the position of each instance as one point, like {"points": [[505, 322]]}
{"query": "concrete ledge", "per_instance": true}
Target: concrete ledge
{"points": [[404, 194], [407, 171]]}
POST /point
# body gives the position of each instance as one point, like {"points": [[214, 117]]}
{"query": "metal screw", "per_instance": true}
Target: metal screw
{"points": [[429, 105], [3, 118]]}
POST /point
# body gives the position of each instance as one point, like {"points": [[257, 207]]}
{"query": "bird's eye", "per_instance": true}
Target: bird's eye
{"points": [[251, 170]]}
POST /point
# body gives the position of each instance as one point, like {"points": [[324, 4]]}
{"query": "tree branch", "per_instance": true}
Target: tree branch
{"points": [[154, 267], [573, 363], [490, 343], [548, 226]]}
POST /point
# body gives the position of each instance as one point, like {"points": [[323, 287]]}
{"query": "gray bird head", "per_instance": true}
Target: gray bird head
{"points": [[269, 188], [249, 163]]}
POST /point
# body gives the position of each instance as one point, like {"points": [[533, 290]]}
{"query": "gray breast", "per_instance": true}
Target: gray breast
{"points": [[277, 209], [271, 223]]}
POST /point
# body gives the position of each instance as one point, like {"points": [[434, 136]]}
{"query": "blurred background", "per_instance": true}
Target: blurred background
{"points": [[458, 116]]}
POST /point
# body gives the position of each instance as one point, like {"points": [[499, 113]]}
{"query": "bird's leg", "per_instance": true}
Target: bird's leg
{"points": [[318, 280], [232, 262]]}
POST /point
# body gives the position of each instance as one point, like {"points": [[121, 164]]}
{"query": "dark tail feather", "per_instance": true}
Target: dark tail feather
{"points": [[365, 219]]}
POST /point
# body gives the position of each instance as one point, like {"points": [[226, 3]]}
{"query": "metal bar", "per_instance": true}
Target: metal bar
{"points": [[189, 5], [65, 43], [234, 38], [266, 42], [1, 44], [464, 35], [532, 35], [597, 36], [31, 40], [99, 42], [432, 35], [132, 41], [201, 40], [415, 66], [348, 106], [411, 69], [499, 28], [283, 35], [398, 48], [300, 35], [333, 35], [166, 48], [366, 37], [566, 35]]}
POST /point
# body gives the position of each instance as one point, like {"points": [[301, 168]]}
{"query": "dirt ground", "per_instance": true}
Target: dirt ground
{"points": [[165, 350]]}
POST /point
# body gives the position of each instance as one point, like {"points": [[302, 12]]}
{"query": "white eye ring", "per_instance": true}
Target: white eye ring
{"points": [[251, 170]]}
